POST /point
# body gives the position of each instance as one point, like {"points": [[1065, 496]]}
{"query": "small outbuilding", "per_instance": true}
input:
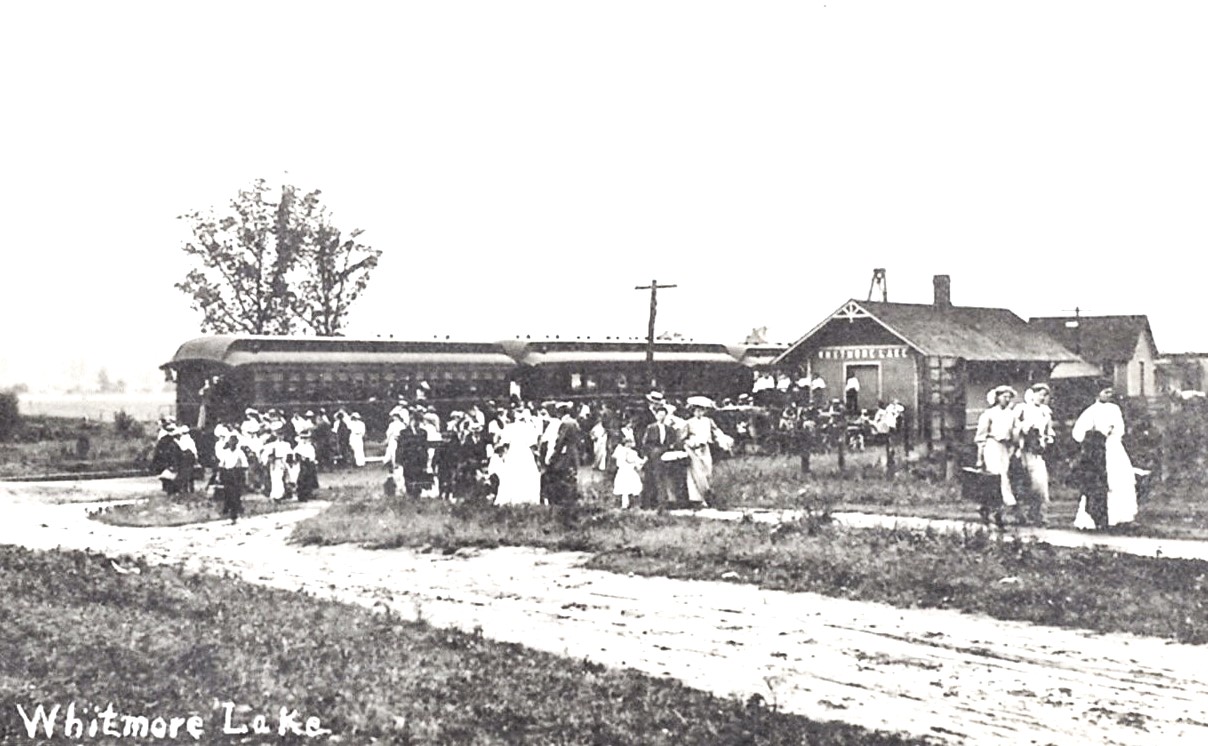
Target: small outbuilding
{"points": [[938, 360], [1121, 347]]}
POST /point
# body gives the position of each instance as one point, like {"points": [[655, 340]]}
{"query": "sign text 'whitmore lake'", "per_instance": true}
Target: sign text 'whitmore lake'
{"points": [[862, 352]]}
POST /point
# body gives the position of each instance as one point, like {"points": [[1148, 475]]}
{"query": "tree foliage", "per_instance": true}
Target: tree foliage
{"points": [[10, 414], [274, 264]]}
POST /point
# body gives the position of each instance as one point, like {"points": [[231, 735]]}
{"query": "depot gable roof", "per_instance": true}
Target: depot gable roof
{"points": [[968, 332]]}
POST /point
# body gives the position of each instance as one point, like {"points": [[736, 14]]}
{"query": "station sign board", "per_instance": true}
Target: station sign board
{"points": [[863, 352]]}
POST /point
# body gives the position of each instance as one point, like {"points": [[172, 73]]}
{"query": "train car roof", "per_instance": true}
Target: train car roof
{"points": [[547, 351], [235, 350], [625, 356]]}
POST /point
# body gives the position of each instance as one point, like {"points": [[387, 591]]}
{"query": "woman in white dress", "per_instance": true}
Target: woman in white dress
{"points": [[599, 445], [1104, 418], [356, 438], [702, 433], [519, 479], [274, 455], [996, 436]]}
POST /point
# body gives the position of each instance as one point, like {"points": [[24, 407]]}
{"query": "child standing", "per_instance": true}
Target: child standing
{"points": [[628, 481]]}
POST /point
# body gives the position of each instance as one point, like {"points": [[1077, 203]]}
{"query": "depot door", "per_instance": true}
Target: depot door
{"points": [[869, 376]]}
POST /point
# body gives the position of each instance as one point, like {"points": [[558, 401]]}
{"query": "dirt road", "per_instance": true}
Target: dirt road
{"points": [[958, 678]]}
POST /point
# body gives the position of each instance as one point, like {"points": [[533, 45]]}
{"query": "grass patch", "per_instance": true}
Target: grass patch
{"points": [[150, 507], [978, 572], [180, 510], [51, 445], [1173, 509], [165, 643]]}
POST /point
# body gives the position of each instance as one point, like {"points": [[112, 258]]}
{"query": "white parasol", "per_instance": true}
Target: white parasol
{"points": [[701, 401]]}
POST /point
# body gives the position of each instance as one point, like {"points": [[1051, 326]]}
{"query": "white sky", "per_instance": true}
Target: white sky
{"points": [[523, 165]]}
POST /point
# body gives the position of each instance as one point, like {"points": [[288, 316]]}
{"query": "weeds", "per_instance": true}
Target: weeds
{"points": [[165, 642], [1087, 589]]}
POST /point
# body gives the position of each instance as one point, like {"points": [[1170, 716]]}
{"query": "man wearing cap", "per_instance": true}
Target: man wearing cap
{"points": [[997, 433]]}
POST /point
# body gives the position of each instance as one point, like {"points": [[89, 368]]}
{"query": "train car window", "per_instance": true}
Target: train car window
{"points": [[576, 381], [389, 375], [311, 376], [592, 383], [448, 375], [276, 376], [295, 376], [622, 382]]}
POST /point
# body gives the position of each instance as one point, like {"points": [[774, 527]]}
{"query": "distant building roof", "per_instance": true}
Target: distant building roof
{"points": [[980, 334], [1100, 339]]}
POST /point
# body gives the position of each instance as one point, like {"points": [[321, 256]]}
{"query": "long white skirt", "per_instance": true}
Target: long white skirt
{"points": [[276, 476], [357, 443], [519, 479], [700, 473], [997, 457], [1121, 484]]}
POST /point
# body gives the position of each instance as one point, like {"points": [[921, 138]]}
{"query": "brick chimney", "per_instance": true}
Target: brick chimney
{"points": [[943, 291]]}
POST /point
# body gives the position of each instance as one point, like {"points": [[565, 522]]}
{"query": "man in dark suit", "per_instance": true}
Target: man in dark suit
{"points": [[658, 488], [565, 457]]}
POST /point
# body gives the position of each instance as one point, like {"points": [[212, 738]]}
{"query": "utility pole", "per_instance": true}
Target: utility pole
{"points": [[654, 287]]}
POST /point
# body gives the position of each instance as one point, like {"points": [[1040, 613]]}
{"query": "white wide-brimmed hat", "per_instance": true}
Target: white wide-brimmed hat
{"points": [[992, 394]]}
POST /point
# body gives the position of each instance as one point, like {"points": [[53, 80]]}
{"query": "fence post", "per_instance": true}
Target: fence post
{"points": [[843, 448], [806, 437], [889, 456]]}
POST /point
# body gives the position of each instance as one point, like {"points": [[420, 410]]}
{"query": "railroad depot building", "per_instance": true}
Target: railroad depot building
{"points": [[937, 359]]}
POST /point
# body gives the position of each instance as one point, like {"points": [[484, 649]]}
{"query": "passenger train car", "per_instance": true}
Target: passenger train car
{"points": [[230, 373]]}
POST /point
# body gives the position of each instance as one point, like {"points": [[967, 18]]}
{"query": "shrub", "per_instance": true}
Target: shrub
{"points": [[10, 415], [126, 426]]}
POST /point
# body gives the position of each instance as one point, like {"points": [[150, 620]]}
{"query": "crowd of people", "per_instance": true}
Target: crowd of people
{"points": [[655, 454], [270, 453], [517, 453], [529, 453], [1013, 441]]}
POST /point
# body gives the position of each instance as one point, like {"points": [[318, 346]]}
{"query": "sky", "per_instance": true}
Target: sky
{"points": [[524, 165]]}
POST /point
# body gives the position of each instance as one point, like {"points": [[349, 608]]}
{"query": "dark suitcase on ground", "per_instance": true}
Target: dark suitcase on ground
{"points": [[985, 490]]}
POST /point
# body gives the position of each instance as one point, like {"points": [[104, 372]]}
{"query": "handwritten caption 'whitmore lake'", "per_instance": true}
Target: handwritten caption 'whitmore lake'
{"points": [[89, 722]]}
